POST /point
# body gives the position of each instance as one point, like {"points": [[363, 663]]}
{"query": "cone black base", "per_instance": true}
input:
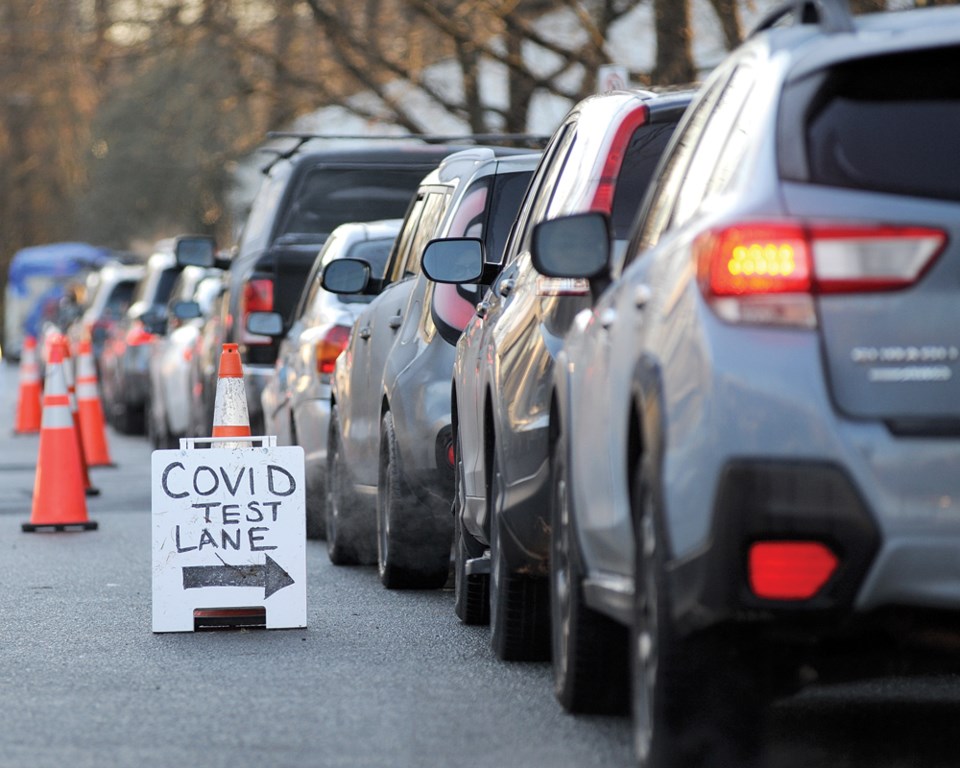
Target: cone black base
{"points": [[89, 525]]}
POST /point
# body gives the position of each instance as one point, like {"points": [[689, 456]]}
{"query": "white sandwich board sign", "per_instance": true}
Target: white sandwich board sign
{"points": [[229, 529]]}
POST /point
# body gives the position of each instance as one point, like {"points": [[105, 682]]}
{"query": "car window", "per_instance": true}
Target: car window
{"points": [[659, 204], [119, 298], [716, 130], [558, 143], [404, 240], [637, 170], [885, 124], [433, 209], [327, 197], [548, 188]]}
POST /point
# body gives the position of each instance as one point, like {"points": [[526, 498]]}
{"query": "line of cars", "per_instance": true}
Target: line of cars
{"points": [[703, 416], [674, 402]]}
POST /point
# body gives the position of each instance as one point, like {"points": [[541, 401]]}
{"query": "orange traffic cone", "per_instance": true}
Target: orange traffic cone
{"points": [[64, 344], [93, 431], [28, 399], [58, 491], [230, 417]]}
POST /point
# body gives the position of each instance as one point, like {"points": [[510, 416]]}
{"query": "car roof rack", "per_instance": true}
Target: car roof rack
{"points": [[833, 16], [533, 141]]}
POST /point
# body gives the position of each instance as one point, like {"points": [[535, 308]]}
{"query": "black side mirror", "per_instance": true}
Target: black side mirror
{"points": [[198, 251], [575, 246], [346, 276], [186, 310], [265, 323], [453, 260]]}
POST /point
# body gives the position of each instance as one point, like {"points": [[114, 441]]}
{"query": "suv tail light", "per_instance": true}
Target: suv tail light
{"points": [[257, 297], [138, 335], [769, 272], [790, 570], [329, 347], [603, 196]]}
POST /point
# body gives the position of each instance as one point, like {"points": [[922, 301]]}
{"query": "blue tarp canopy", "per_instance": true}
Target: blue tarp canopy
{"points": [[55, 260]]}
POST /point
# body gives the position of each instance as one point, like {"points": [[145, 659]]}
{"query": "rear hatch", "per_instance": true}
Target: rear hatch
{"points": [[883, 196]]}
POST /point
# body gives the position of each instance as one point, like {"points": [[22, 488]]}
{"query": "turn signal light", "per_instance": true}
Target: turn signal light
{"points": [[790, 570], [329, 347]]}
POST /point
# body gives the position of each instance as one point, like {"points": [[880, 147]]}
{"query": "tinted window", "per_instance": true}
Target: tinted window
{"points": [[889, 124], [119, 298], [327, 197], [640, 161], [167, 278], [508, 193]]}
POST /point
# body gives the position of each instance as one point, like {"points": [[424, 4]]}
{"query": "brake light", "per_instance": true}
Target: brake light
{"points": [[257, 297], [603, 196], [769, 272], [330, 346], [138, 336], [790, 570]]}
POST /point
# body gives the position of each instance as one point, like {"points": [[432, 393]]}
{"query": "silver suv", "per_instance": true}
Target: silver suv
{"points": [[758, 424]]}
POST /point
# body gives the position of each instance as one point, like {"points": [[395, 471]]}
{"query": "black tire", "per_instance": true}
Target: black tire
{"points": [[471, 600], [697, 699], [519, 605], [316, 494], [413, 538], [351, 538], [589, 650]]}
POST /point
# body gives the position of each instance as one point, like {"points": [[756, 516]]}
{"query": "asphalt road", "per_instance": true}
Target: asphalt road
{"points": [[376, 679]]}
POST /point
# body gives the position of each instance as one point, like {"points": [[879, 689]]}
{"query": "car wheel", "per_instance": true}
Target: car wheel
{"points": [[471, 593], [316, 494], [413, 538], [696, 700], [519, 605], [351, 539], [589, 650]]}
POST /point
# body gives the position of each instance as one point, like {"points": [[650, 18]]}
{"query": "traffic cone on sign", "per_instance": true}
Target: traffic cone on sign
{"points": [[230, 417], [59, 503], [68, 375], [28, 398], [93, 433]]}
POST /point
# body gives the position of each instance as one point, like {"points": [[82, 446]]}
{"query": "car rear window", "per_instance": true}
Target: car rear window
{"points": [[889, 124], [640, 161], [328, 197]]}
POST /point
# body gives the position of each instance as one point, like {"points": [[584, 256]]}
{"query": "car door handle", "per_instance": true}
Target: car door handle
{"points": [[608, 317], [364, 333], [482, 308], [507, 286], [395, 321], [642, 295]]}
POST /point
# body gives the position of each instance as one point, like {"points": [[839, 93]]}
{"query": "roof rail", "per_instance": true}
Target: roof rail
{"points": [[427, 138], [533, 141], [833, 16]]}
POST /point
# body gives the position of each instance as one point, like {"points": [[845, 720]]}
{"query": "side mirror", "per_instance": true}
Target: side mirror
{"points": [[154, 321], [186, 310], [197, 251], [345, 276], [453, 260], [575, 246], [265, 323]]}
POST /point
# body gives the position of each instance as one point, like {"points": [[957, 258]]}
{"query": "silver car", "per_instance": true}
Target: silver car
{"points": [[758, 425], [296, 399]]}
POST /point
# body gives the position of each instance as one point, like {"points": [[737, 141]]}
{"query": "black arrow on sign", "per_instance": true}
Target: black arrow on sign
{"points": [[270, 576]]}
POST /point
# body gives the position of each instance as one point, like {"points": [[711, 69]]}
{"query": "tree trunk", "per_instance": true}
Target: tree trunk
{"points": [[674, 63]]}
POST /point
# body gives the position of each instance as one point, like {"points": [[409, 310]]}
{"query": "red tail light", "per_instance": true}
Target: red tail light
{"points": [[257, 297], [603, 196], [329, 347], [138, 336], [767, 272], [790, 570]]}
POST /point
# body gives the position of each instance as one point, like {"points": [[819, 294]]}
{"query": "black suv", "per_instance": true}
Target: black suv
{"points": [[307, 191]]}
